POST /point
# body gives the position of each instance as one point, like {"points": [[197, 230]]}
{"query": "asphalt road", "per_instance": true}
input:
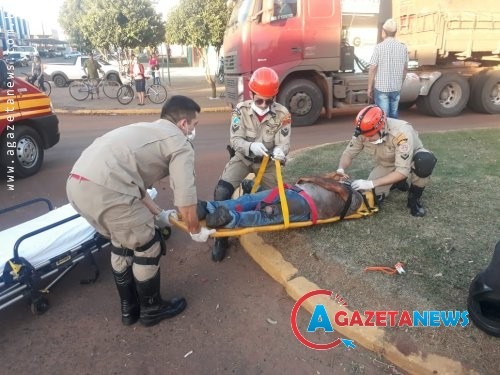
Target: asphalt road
{"points": [[228, 325]]}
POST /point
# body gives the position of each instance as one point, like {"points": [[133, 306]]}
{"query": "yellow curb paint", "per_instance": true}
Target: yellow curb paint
{"points": [[372, 338], [268, 258]]}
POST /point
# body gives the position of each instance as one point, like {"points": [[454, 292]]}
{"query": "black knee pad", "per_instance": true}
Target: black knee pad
{"points": [[223, 191], [424, 162]]}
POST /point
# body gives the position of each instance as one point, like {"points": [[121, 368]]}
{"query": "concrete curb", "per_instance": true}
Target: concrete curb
{"points": [[372, 338], [142, 111]]}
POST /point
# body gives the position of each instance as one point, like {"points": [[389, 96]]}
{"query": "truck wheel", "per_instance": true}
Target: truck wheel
{"points": [[28, 153], [59, 80], [304, 101], [485, 96], [476, 83], [448, 96]]}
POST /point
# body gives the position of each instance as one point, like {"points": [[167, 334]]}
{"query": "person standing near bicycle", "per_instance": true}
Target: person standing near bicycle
{"points": [[155, 68], [92, 69], [137, 72], [36, 72]]}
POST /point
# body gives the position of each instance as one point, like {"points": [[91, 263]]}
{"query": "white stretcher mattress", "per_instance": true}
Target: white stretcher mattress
{"points": [[47, 244], [44, 246]]}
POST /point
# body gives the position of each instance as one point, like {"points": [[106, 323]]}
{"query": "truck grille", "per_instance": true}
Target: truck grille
{"points": [[231, 89], [231, 63]]}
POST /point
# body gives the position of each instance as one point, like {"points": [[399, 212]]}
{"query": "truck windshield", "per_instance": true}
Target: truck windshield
{"points": [[240, 13]]}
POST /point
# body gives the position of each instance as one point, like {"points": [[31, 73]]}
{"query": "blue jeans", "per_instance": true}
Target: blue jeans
{"points": [[248, 211], [388, 101]]}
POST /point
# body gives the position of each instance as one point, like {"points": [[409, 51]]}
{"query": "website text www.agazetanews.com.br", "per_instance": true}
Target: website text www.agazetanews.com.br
{"points": [[10, 144]]}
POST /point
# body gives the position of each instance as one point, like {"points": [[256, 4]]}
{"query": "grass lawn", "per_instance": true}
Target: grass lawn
{"points": [[442, 251]]}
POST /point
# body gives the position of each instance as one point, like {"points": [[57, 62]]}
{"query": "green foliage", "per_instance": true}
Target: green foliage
{"points": [[118, 24], [69, 18], [198, 23]]}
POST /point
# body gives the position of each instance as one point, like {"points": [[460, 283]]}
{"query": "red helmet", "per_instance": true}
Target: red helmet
{"points": [[369, 121], [264, 82]]}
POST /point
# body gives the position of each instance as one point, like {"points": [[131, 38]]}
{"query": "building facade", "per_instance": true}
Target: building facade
{"points": [[14, 30]]}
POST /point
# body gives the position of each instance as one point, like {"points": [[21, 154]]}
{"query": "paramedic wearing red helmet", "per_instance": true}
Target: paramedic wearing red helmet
{"points": [[259, 126], [398, 152]]}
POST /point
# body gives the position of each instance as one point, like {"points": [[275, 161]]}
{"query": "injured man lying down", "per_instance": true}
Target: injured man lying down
{"points": [[310, 199]]}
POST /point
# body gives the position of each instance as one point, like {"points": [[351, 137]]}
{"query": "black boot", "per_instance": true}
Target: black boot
{"points": [[153, 308], [201, 209], [219, 218], [128, 296], [414, 204], [401, 186], [220, 247]]}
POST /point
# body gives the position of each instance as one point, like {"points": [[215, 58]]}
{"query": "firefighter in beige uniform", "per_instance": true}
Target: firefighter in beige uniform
{"points": [[259, 127], [398, 152], [107, 186]]}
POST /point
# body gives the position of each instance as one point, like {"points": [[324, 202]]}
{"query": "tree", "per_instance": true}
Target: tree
{"points": [[70, 16], [200, 24], [119, 24]]}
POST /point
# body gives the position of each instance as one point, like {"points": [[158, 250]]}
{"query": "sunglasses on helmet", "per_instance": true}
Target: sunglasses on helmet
{"points": [[262, 101]]}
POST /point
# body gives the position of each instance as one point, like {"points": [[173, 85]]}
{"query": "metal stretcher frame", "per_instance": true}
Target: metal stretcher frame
{"points": [[19, 279], [367, 208]]}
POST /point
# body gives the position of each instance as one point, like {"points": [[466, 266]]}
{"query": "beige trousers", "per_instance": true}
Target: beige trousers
{"points": [[124, 219], [380, 171]]}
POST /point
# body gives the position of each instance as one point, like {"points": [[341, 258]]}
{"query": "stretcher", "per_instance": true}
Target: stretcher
{"points": [[367, 208], [37, 254]]}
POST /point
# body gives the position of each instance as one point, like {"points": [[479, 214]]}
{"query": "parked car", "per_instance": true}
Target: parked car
{"points": [[27, 128], [16, 59], [26, 51], [64, 73], [71, 55]]}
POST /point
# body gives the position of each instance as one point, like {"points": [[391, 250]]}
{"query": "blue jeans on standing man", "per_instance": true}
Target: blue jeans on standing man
{"points": [[249, 210], [388, 101]]}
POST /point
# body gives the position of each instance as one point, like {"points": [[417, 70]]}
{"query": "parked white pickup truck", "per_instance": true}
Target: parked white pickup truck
{"points": [[63, 74]]}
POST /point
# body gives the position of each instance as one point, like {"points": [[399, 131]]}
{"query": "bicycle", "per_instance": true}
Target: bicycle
{"points": [[81, 90], [156, 94], [41, 84]]}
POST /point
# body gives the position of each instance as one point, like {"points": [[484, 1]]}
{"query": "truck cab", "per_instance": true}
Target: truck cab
{"points": [[303, 45], [28, 125], [311, 44]]}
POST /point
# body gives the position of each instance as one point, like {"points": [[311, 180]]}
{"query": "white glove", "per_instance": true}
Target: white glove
{"points": [[258, 149], [362, 184], [340, 171], [163, 218], [202, 236], [278, 154]]}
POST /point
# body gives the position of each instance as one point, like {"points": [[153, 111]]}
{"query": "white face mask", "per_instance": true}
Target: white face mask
{"points": [[260, 111], [377, 142], [191, 135]]}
